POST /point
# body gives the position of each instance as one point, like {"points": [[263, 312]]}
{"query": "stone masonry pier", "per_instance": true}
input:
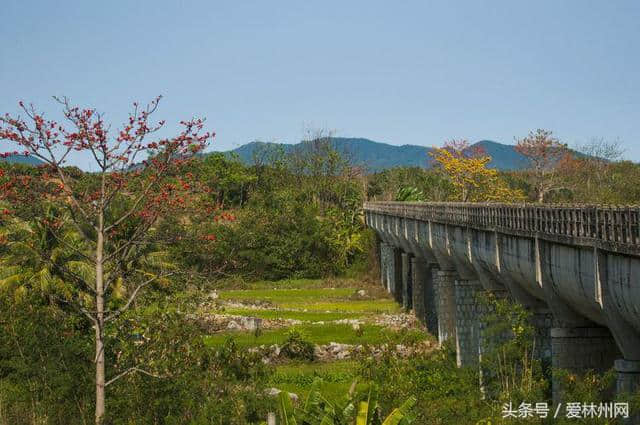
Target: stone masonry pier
{"points": [[576, 268]]}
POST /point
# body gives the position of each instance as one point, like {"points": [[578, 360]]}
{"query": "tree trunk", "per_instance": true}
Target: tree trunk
{"points": [[540, 195], [100, 380], [100, 376]]}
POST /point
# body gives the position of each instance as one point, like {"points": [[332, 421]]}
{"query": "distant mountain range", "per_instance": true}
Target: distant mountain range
{"points": [[22, 159], [376, 156]]}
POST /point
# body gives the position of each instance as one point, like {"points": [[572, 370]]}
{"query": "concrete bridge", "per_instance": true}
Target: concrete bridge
{"points": [[575, 268]]}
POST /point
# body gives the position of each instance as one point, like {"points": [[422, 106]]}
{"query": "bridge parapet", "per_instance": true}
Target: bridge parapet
{"points": [[613, 228]]}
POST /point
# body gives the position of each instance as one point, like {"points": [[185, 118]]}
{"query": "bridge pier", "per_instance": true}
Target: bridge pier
{"points": [[396, 275], [391, 275], [382, 256], [407, 281], [578, 349], [542, 322], [579, 342], [467, 316], [628, 380], [388, 273], [444, 284], [419, 300], [424, 294]]}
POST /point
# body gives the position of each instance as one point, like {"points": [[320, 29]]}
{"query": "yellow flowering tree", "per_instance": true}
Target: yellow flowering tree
{"points": [[466, 167]]}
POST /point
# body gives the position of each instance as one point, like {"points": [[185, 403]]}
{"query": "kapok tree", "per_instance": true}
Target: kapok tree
{"points": [[473, 181], [547, 158], [104, 219]]}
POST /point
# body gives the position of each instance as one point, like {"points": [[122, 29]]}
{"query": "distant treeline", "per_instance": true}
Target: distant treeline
{"points": [[594, 174]]}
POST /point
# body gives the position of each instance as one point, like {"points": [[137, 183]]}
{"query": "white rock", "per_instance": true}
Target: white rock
{"points": [[251, 323], [342, 355], [273, 392], [233, 325], [275, 349]]}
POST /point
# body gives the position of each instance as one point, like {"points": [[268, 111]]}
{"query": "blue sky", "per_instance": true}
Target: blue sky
{"points": [[411, 72]]}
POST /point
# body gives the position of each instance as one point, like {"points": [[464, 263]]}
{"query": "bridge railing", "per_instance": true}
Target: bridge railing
{"points": [[612, 224]]}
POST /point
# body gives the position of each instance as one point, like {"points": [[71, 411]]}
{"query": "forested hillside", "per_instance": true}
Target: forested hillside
{"points": [[376, 156]]}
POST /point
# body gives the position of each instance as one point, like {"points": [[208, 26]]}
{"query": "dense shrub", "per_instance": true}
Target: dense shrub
{"points": [[46, 373], [512, 370], [45, 364], [290, 219], [297, 346], [446, 394]]}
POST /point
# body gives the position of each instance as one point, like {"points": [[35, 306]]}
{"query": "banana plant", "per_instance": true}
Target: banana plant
{"points": [[287, 414], [318, 410], [409, 194], [367, 408], [401, 415]]}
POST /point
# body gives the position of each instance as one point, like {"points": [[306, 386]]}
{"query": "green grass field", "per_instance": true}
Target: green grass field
{"points": [[308, 301], [337, 377], [312, 301], [279, 295], [292, 284], [307, 316], [293, 303], [368, 306], [321, 334]]}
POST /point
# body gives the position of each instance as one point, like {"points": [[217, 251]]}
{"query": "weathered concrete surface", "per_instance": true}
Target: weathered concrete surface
{"points": [[576, 269]]}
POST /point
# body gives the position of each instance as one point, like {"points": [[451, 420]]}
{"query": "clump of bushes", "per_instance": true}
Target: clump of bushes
{"points": [[297, 346], [193, 383]]}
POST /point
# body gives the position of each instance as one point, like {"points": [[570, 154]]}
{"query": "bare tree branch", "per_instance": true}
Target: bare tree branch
{"points": [[131, 370], [133, 295]]}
